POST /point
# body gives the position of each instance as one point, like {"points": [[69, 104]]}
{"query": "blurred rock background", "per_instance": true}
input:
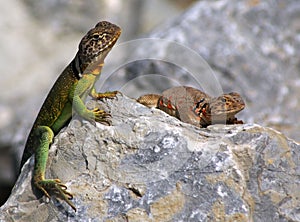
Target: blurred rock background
{"points": [[38, 40], [252, 46]]}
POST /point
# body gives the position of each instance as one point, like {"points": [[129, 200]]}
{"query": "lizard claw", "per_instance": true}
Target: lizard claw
{"points": [[101, 116], [56, 187]]}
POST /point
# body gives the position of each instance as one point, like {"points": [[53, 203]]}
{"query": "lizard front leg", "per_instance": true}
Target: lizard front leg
{"points": [[108, 95], [78, 94], [44, 137]]}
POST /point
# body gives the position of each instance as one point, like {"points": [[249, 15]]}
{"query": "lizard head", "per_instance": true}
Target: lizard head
{"points": [[224, 107], [96, 44]]}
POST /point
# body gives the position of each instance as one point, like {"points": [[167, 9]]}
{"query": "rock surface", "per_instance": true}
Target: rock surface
{"points": [[148, 166]]}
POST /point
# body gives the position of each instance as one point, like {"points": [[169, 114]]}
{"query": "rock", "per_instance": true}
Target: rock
{"points": [[148, 166]]}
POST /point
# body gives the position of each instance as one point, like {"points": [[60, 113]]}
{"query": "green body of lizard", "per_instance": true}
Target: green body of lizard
{"points": [[69, 92]]}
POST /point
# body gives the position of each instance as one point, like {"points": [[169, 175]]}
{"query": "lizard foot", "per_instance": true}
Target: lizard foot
{"points": [[101, 116], [57, 188], [106, 95], [234, 121]]}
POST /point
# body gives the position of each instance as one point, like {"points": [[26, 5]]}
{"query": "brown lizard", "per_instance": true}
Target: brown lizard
{"points": [[193, 106]]}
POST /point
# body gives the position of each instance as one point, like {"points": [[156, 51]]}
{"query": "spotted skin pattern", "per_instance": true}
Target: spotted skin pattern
{"points": [[221, 109]]}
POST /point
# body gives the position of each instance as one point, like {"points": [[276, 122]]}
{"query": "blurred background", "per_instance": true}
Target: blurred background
{"points": [[251, 46]]}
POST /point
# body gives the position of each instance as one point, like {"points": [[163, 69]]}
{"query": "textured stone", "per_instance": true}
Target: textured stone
{"points": [[149, 166]]}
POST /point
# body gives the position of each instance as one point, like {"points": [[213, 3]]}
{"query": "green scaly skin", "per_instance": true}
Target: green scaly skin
{"points": [[69, 91]]}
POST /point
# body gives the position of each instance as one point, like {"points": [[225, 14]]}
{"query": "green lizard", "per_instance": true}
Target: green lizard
{"points": [[69, 91]]}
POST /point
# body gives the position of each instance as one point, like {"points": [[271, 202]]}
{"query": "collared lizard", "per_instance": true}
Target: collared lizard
{"points": [[69, 91], [193, 106]]}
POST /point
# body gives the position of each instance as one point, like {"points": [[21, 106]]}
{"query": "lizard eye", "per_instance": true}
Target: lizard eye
{"points": [[201, 100], [223, 100], [96, 37]]}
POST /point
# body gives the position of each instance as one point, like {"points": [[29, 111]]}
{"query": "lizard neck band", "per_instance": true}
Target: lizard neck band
{"points": [[76, 68]]}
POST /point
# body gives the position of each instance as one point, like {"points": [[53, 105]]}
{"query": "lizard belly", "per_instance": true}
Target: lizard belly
{"points": [[64, 117]]}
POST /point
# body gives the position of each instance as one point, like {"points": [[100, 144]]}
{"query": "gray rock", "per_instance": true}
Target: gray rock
{"points": [[148, 166]]}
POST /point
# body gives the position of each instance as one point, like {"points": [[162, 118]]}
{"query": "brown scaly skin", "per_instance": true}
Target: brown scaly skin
{"points": [[67, 94], [221, 109], [193, 106]]}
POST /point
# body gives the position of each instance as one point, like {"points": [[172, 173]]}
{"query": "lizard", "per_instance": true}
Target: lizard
{"points": [[69, 92], [193, 106]]}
